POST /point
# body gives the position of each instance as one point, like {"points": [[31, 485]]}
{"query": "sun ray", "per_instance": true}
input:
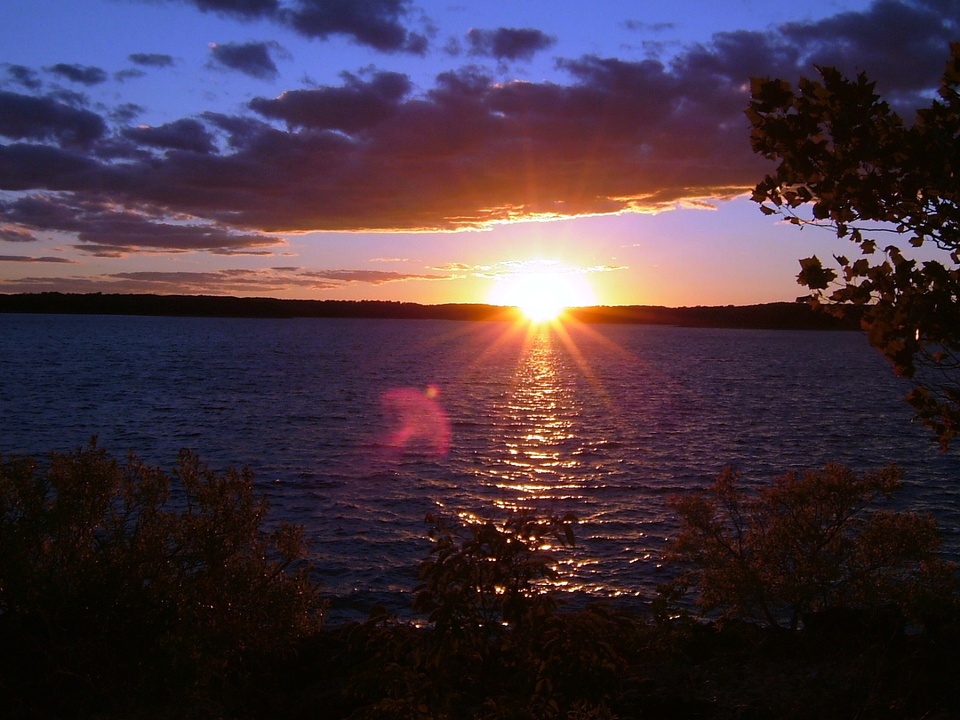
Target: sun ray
{"points": [[542, 290]]}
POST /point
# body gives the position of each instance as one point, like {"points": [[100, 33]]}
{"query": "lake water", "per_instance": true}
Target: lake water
{"points": [[357, 429]]}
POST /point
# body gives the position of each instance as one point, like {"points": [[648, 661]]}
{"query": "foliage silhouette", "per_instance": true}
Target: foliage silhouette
{"points": [[125, 592], [864, 172], [809, 543], [482, 575], [498, 644], [119, 585]]}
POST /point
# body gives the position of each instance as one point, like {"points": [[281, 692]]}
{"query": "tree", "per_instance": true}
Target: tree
{"points": [[483, 575], [120, 586], [810, 542], [865, 173]]}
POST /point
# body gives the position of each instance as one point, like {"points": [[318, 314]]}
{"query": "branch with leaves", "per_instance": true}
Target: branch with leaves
{"points": [[860, 170]]}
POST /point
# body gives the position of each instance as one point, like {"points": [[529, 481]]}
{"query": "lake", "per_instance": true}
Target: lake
{"points": [[357, 429]]}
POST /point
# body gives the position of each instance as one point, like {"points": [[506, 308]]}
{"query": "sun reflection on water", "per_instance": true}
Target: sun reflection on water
{"points": [[539, 421], [539, 459], [556, 421]]}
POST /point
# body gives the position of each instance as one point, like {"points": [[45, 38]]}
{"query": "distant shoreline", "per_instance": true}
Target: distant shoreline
{"points": [[781, 315]]}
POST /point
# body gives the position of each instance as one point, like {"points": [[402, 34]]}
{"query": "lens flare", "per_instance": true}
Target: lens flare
{"points": [[416, 420]]}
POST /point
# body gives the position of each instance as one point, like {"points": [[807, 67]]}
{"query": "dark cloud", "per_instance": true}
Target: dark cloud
{"points": [[125, 112], [251, 58], [73, 98], [36, 118], [640, 25], [508, 43], [24, 76], [157, 60], [12, 233], [128, 74], [260, 282], [25, 259], [103, 227], [353, 107], [225, 282], [901, 44], [376, 23], [240, 131], [372, 154], [83, 74], [184, 134], [246, 253], [244, 9], [27, 166]]}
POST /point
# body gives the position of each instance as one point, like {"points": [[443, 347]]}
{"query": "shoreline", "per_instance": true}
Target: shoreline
{"points": [[773, 316]]}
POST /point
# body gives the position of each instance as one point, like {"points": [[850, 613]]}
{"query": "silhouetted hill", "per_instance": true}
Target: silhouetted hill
{"points": [[771, 315], [783, 315]]}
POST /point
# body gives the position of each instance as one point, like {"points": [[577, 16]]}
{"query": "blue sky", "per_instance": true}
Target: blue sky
{"points": [[405, 150]]}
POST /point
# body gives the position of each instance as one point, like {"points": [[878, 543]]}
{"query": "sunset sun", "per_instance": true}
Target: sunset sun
{"points": [[542, 290]]}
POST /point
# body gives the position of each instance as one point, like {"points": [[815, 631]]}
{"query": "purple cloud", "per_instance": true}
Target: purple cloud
{"points": [[83, 74], [186, 134], [24, 117], [353, 107], [157, 60], [12, 233], [245, 282], [370, 153], [24, 76], [103, 228], [508, 43], [25, 259], [251, 58], [375, 23]]}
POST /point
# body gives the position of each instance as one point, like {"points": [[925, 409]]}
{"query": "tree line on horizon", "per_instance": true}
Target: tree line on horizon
{"points": [[780, 315]]}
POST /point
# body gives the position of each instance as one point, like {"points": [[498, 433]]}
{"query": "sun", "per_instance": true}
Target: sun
{"points": [[542, 289]]}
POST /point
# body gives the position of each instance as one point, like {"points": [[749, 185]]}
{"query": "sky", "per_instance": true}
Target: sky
{"points": [[431, 151]]}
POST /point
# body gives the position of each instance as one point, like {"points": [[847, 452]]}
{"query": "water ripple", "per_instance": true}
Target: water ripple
{"points": [[606, 422]]}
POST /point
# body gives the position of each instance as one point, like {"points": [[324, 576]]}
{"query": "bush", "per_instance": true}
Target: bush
{"points": [[118, 586], [482, 576], [810, 542]]}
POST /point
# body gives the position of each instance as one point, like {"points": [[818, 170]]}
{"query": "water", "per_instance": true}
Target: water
{"points": [[358, 429]]}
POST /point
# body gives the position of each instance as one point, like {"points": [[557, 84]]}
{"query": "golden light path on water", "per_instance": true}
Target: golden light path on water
{"points": [[541, 464]]}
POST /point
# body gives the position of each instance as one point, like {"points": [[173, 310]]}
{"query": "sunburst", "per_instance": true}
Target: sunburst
{"points": [[542, 290]]}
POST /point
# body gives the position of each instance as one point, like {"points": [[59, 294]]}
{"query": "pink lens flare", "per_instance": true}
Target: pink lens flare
{"points": [[416, 421]]}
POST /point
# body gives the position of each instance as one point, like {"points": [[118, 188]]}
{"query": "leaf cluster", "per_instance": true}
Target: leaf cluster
{"points": [[483, 574], [115, 576], [864, 173], [497, 647], [810, 542]]}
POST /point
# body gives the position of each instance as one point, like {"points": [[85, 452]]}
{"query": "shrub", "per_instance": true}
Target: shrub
{"points": [[484, 575], [482, 587], [118, 585], [810, 542]]}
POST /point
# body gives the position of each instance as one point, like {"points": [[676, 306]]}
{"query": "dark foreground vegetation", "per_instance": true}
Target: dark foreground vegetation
{"points": [[769, 316], [126, 592]]}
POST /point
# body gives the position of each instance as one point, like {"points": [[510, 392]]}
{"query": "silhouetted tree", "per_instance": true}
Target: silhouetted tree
{"points": [[122, 587], [482, 575], [810, 542], [864, 172]]}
